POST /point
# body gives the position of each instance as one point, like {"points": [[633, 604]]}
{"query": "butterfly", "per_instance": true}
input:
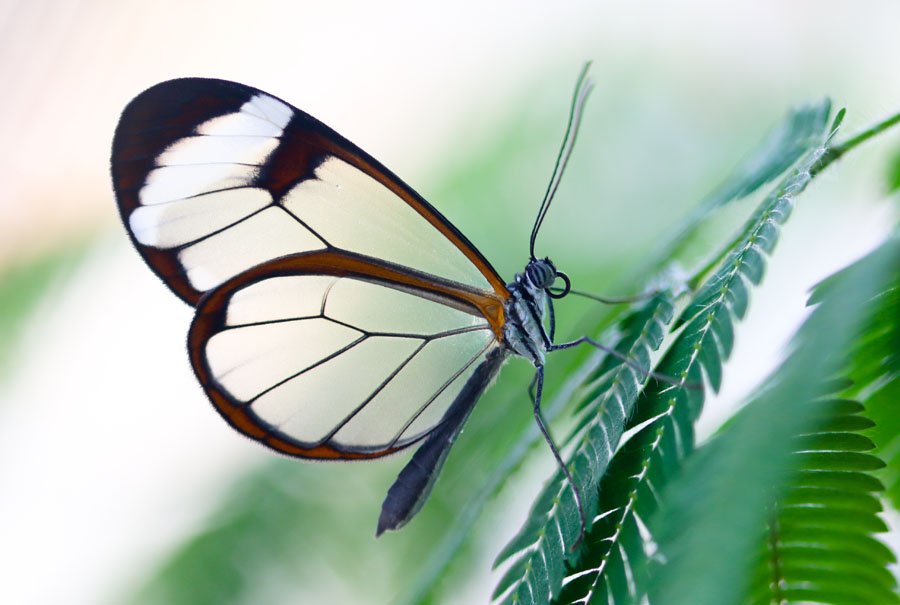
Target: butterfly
{"points": [[339, 315]]}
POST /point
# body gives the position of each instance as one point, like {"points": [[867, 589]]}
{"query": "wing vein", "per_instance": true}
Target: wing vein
{"points": [[181, 247], [272, 387], [265, 322], [374, 394], [208, 164], [443, 388], [430, 337], [305, 226]]}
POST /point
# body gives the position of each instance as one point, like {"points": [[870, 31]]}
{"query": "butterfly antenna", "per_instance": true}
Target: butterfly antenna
{"points": [[582, 89]]}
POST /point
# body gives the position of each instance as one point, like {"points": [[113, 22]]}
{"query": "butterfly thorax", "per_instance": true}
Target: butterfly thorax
{"points": [[523, 332]]}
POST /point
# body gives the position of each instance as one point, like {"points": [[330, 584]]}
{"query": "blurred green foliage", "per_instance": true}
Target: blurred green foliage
{"points": [[24, 284], [628, 206], [893, 173]]}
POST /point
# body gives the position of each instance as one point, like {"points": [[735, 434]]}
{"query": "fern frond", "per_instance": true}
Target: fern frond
{"points": [[553, 526], [800, 131], [874, 367], [882, 406], [614, 548], [630, 492], [819, 545], [706, 531], [543, 538]]}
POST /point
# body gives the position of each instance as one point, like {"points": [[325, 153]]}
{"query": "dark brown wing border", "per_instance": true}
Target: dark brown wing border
{"points": [[172, 110]]}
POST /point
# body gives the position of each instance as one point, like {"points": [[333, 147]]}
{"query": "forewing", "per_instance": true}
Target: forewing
{"points": [[331, 355], [214, 177]]}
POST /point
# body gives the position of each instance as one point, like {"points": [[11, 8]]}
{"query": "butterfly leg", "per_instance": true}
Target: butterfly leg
{"points": [[552, 313], [539, 418], [625, 359], [531, 386]]}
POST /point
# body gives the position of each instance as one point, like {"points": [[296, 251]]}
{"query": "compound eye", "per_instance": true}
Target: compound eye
{"points": [[549, 276], [541, 274], [549, 273]]}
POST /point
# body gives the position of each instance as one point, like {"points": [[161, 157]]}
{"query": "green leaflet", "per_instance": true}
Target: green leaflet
{"points": [[629, 490], [708, 528], [874, 366], [612, 571], [553, 525], [882, 407], [800, 131], [818, 532], [746, 262]]}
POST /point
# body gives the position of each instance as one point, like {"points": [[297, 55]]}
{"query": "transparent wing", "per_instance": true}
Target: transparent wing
{"points": [[214, 177], [331, 355]]}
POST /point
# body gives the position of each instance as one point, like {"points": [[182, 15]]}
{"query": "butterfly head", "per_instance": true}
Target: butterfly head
{"points": [[541, 274]]}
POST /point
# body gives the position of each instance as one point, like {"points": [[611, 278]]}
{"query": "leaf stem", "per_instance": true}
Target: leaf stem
{"points": [[836, 151]]}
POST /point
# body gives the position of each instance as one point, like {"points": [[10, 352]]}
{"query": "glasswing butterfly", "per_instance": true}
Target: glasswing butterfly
{"points": [[339, 316]]}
